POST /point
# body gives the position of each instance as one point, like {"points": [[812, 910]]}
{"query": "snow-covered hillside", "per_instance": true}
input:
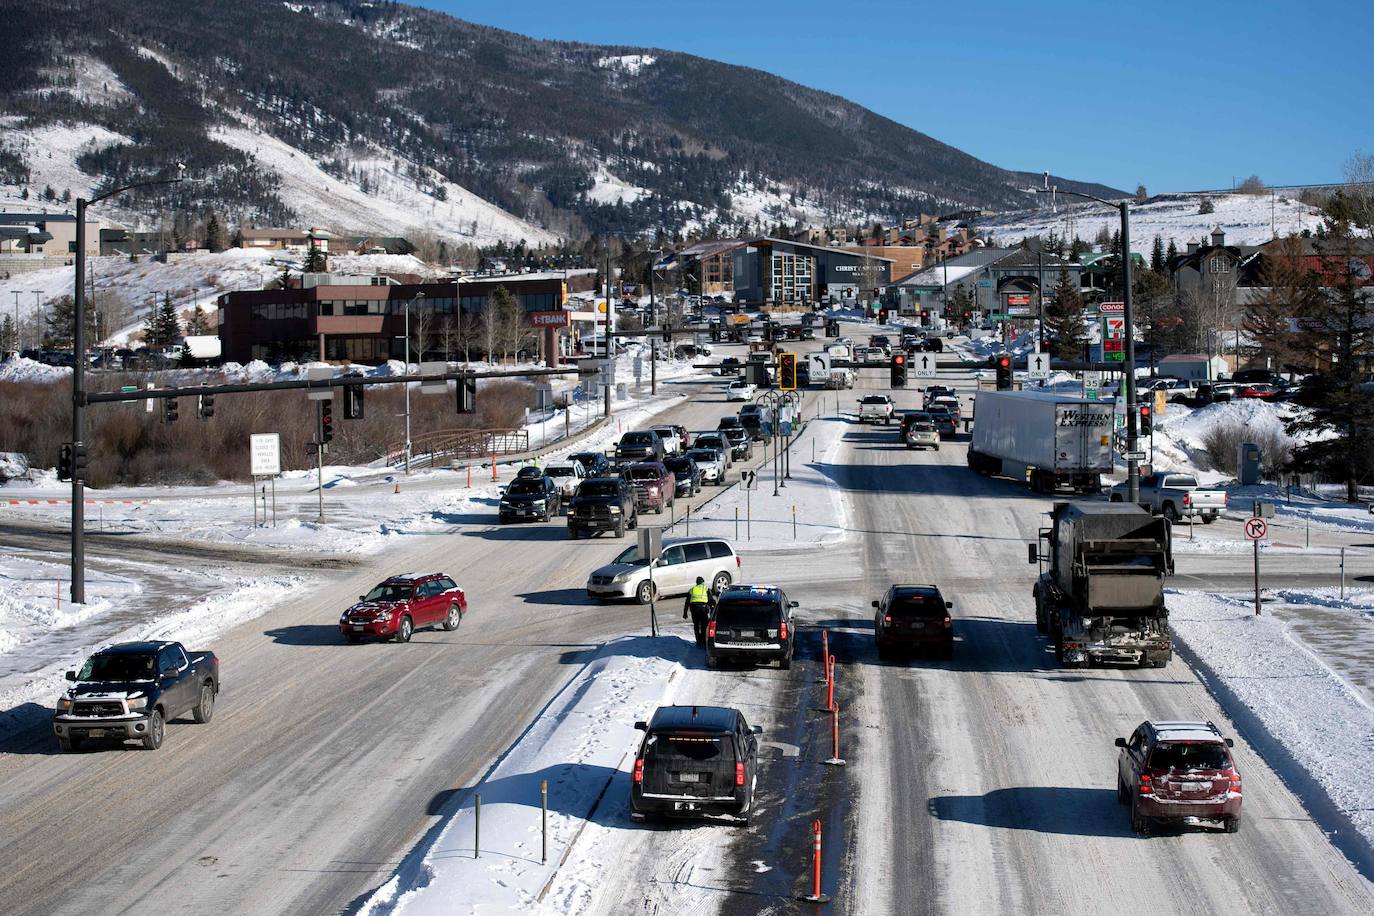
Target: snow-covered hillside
{"points": [[1246, 219]]}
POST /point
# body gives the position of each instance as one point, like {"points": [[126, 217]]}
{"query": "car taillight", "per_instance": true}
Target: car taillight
{"points": [[711, 629], [1187, 499], [887, 618], [1145, 787], [782, 630], [947, 622], [1235, 780], [639, 769], [1223, 499], [739, 774]]}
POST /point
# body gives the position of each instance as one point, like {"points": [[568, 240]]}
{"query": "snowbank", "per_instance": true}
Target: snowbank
{"points": [[765, 520], [581, 744], [23, 369], [1313, 726], [33, 599]]}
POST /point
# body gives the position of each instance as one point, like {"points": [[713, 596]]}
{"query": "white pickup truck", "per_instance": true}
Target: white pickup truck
{"points": [[1176, 496], [876, 408]]}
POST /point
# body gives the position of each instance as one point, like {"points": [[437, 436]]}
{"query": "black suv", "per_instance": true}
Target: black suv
{"points": [[686, 475], [751, 418], [695, 761], [602, 504], [530, 497], [913, 618], [741, 442], [594, 463], [751, 622]]}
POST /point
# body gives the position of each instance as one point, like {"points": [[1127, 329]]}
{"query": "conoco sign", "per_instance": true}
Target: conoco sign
{"points": [[548, 319]]}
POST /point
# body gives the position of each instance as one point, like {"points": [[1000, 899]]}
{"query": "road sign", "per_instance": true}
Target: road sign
{"points": [[1037, 365], [264, 450], [922, 365], [1092, 382], [1135, 456], [1111, 308], [1256, 528]]}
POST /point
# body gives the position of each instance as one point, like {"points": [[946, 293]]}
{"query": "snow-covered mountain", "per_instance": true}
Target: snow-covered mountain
{"points": [[379, 117]]}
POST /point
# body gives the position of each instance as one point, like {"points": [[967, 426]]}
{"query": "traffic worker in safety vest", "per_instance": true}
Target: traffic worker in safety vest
{"points": [[698, 603]]}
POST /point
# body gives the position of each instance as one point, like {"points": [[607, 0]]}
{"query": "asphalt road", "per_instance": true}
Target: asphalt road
{"points": [[324, 760], [985, 784]]}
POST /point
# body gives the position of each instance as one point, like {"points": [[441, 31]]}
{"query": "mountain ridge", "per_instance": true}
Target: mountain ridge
{"points": [[465, 130]]}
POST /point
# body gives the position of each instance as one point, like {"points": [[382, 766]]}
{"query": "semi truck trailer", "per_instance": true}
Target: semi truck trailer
{"points": [[1050, 440]]}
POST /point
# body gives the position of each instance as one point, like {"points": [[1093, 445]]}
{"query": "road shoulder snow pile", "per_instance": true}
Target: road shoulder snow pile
{"points": [[1315, 728], [580, 743], [765, 520]]}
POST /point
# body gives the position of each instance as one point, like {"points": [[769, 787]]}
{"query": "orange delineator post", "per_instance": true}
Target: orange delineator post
{"points": [[493, 465], [830, 683], [816, 896]]}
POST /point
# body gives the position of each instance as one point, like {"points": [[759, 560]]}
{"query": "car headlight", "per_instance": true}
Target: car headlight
{"points": [[538, 502], [64, 704], [137, 702], [621, 577], [615, 509]]}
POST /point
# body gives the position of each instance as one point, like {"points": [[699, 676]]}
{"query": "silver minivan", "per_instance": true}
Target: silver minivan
{"points": [[674, 571]]}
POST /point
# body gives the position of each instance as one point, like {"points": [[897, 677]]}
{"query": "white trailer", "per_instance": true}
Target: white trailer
{"points": [[1048, 439]]}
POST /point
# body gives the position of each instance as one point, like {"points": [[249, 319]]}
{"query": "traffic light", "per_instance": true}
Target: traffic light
{"points": [[898, 370], [1147, 424], [467, 395], [326, 422], [353, 402], [64, 462], [205, 406], [787, 371], [1003, 364], [79, 460], [169, 410]]}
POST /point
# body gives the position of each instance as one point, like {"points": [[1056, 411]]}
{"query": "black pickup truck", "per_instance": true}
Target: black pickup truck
{"points": [[602, 504], [132, 690]]}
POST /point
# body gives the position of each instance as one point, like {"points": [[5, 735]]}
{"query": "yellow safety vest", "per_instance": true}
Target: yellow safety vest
{"points": [[698, 595]]}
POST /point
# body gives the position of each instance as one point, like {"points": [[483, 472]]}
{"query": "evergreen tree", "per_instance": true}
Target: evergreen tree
{"points": [[236, 240], [1170, 254], [161, 328], [214, 233], [1078, 247], [1336, 432], [1157, 256], [59, 322], [315, 262], [1064, 319], [1206, 206], [9, 335]]}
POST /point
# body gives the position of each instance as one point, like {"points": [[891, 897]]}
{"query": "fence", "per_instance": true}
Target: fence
{"points": [[427, 449]]}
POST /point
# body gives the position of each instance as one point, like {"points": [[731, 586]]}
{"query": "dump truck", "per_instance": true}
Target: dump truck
{"points": [[1100, 595], [1049, 439]]}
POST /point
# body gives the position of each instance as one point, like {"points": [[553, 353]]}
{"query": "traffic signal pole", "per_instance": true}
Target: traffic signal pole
{"points": [[78, 570]]}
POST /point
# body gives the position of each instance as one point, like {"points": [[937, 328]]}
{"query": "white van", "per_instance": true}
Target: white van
{"points": [[674, 572]]}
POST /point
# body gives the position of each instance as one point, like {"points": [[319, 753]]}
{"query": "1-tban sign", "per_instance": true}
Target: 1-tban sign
{"points": [[548, 319]]}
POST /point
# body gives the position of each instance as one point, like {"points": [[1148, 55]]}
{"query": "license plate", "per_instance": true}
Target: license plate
{"points": [[918, 625], [359, 626], [689, 777], [95, 733], [1194, 787]]}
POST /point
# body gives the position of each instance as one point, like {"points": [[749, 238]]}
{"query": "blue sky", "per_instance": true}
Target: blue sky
{"points": [[1179, 96]]}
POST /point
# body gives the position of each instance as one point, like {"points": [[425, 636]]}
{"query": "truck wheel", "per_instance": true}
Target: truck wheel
{"points": [[1139, 823], [68, 745], [645, 593], [1170, 513], [573, 533], [404, 630], [1208, 519], [153, 739], [658, 510], [1116, 498], [206, 707], [454, 618], [620, 529], [785, 663], [634, 521]]}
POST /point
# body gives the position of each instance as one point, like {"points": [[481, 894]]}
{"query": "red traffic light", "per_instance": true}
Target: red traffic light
{"points": [[1144, 410], [899, 359], [1004, 361]]}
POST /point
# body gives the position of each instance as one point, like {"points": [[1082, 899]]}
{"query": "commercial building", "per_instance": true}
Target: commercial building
{"points": [[710, 264], [966, 278], [362, 319], [46, 234], [769, 271]]}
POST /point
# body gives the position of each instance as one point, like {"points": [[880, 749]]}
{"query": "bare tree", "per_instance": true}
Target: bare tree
{"points": [[491, 328], [871, 275], [1288, 292], [469, 333], [1359, 188], [448, 336], [1252, 185], [421, 330]]}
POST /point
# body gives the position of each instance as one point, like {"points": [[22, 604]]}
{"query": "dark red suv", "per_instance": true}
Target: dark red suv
{"points": [[1180, 772], [654, 485], [913, 618], [403, 604]]}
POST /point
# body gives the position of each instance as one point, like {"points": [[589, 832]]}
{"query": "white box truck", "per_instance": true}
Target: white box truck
{"points": [[1048, 439]]}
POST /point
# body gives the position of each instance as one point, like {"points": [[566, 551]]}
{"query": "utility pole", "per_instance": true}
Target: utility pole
{"points": [[1040, 293], [419, 295], [609, 376]]}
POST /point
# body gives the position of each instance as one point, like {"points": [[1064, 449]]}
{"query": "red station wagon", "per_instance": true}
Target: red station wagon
{"points": [[403, 604]]}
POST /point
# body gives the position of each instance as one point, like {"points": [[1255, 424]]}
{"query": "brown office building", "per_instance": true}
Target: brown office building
{"points": [[365, 322]]}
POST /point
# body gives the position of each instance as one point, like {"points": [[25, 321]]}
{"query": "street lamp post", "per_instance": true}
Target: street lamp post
{"points": [[79, 384], [1128, 316], [419, 295]]}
